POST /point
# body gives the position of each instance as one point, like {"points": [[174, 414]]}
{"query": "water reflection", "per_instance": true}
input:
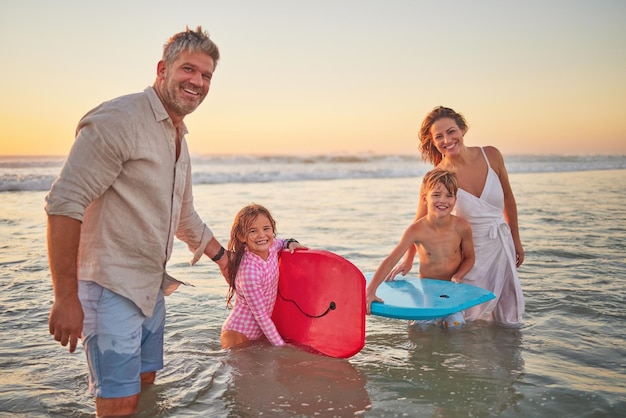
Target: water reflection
{"points": [[291, 382], [471, 370]]}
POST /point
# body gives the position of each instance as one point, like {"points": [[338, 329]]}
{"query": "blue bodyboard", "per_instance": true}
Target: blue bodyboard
{"points": [[415, 298]]}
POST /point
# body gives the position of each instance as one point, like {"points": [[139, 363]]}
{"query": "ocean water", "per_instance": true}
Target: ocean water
{"points": [[568, 359]]}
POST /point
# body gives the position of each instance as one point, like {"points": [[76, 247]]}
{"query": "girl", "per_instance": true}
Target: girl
{"points": [[253, 277]]}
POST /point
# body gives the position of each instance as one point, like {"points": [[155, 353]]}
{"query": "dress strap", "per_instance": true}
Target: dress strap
{"points": [[485, 155]]}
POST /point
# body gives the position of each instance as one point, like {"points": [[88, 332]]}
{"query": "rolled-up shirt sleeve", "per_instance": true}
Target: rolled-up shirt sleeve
{"points": [[95, 161]]}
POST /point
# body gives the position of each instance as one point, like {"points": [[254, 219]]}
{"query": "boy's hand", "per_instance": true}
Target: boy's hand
{"points": [[369, 298], [402, 268]]}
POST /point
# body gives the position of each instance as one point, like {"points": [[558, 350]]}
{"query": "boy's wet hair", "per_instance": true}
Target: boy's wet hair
{"points": [[190, 41], [448, 178]]}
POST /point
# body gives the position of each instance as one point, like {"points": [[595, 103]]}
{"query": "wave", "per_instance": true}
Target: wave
{"points": [[38, 173]]}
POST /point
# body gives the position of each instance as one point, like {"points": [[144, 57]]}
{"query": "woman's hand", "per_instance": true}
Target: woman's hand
{"points": [[519, 254]]}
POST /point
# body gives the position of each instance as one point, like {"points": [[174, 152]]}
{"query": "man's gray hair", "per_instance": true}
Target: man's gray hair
{"points": [[191, 41]]}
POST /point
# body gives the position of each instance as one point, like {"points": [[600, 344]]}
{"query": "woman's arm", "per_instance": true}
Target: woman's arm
{"points": [[510, 206]]}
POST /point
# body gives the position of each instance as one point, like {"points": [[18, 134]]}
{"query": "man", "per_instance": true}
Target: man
{"points": [[122, 195]]}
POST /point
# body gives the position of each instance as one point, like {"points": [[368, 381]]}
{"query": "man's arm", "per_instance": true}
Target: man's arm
{"points": [[66, 315], [219, 255]]}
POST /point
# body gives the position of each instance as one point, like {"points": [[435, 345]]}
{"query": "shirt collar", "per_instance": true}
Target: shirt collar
{"points": [[160, 114]]}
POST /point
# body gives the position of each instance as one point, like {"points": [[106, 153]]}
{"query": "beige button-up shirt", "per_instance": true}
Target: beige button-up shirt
{"points": [[122, 181]]}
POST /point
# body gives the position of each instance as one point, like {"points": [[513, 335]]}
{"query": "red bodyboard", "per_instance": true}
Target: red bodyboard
{"points": [[321, 302]]}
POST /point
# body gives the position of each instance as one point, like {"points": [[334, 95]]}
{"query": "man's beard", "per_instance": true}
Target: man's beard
{"points": [[175, 103]]}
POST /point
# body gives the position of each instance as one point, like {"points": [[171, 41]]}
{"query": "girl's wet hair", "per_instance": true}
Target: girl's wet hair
{"points": [[238, 237], [448, 178], [427, 147], [190, 41]]}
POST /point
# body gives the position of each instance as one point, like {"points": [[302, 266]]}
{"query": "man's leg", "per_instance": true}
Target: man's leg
{"points": [[113, 334], [116, 407]]}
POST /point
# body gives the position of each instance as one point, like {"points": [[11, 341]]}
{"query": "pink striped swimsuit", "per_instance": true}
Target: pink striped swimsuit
{"points": [[256, 286]]}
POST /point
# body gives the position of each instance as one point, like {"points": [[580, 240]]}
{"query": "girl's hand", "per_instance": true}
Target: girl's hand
{"points": [[292, 245]]}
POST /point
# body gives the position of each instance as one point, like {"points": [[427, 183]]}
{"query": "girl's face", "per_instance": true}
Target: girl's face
{"points": [[439, 200], [260, 236], [447, 136]]}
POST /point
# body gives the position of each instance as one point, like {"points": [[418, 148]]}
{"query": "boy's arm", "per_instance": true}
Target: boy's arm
{"points": [[407, 264], [387, 264], [467, 251]]}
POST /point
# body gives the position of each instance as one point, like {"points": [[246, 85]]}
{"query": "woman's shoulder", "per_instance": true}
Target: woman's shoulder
{"points": [[490, 150], [496, 161]]}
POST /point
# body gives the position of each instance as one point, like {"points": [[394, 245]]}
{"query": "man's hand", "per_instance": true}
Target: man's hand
{"points": [[66, 321]]}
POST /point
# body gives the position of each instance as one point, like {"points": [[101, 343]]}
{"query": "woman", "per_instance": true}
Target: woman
{"points": [[486, 200]]}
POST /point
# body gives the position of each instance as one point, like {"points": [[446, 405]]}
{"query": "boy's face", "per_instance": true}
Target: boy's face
{"points": [[439, 200]]}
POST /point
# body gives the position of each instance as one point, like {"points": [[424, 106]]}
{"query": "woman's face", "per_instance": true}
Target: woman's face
{"points": [[447, 136]]}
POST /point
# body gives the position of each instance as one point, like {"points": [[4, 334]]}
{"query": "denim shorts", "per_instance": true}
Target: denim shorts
{"points": [[120, 342]]}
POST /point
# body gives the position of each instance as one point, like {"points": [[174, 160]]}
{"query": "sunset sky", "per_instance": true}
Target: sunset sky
{"points": [[329, 76]]}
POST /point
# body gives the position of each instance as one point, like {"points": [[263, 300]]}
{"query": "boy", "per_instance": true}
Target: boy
{"points": [[443, 241]]}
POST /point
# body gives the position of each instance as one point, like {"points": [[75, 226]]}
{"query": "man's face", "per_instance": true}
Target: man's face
{"points": [[184, 84]]}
